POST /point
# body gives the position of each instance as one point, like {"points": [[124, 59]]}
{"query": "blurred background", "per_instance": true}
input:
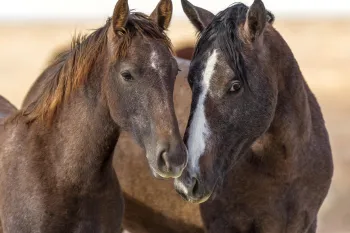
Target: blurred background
{"points": [[318, 32]]}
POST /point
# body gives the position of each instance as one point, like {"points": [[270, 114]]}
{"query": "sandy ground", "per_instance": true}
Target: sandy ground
{"points": [[320, 46]]}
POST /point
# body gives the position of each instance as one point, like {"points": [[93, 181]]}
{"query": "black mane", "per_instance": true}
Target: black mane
{"points": [[223, 31]]}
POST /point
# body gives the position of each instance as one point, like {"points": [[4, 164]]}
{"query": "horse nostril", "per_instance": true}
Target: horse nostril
{"points": [[171, 159], [160, 160], [195, 185], [164, 160]]}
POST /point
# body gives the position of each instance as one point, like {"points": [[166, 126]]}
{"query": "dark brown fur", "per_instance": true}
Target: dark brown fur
{"points": [[268, 161], [71, 68], [151, 205], [225, 210], [156, 198], [58, 177], [6, 109]]}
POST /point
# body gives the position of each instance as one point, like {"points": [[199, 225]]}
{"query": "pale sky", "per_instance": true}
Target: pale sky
{"points": [[95, 9]]}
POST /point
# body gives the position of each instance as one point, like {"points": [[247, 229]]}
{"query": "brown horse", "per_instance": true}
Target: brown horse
{"points": [[151, 205], [56, 156], [257, 143]]}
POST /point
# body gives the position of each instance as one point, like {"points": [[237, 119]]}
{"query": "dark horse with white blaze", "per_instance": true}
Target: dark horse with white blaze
{"points": [[56, 153], [257, 142]]}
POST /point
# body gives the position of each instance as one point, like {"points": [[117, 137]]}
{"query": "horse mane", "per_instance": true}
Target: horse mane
{"points": [[223, 31], [70, 69]]}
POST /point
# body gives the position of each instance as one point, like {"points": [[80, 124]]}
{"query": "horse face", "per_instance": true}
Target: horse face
{"points": [[234, 95], [140, 86]]}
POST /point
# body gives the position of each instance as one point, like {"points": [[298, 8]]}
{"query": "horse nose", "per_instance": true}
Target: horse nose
{"points": [[187, 188], [171, 159]]}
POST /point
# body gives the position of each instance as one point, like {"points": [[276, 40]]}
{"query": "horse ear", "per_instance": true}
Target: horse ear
{"points": [[120, 16], [255, 20], [162, 14], [199, 17]]}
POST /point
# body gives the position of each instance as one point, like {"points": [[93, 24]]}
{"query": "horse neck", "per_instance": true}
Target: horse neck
{"points": [[293, 116], [83, 135], [289, 133]]}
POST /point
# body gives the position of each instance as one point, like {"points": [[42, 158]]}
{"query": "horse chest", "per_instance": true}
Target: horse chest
{"points": [[251, 200]]}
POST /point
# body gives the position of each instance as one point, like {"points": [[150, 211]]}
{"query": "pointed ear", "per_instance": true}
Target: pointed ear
{"points": [[120, 16], [270, 17], [199, 17], [256, 20], [162, 14]]}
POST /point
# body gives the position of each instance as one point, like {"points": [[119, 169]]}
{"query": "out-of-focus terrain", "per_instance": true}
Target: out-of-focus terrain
{"points": [[321, 47]]}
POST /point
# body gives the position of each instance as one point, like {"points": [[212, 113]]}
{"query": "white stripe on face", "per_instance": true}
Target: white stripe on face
{"points": [[199, 131], [154, 60]]}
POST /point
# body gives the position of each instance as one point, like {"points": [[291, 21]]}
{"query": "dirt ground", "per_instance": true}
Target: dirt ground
{"points": [[320, 46]]}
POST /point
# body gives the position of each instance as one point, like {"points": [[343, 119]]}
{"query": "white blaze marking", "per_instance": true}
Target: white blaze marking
{"points": [[199, 131], [154, 60]]}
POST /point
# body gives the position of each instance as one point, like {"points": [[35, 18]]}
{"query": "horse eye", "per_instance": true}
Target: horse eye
{"points": [[235, 86], [126, 75]]}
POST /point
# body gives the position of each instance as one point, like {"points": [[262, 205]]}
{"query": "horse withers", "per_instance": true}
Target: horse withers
{"points": [[56, 156], [259, 152]]}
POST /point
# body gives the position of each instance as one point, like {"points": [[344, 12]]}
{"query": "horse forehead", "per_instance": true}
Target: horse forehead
{"points": [[209, 68], [160, 51], [204, 68], [151, 56], [154, 59], [161, 59], [213, 71], [148, 52]]}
